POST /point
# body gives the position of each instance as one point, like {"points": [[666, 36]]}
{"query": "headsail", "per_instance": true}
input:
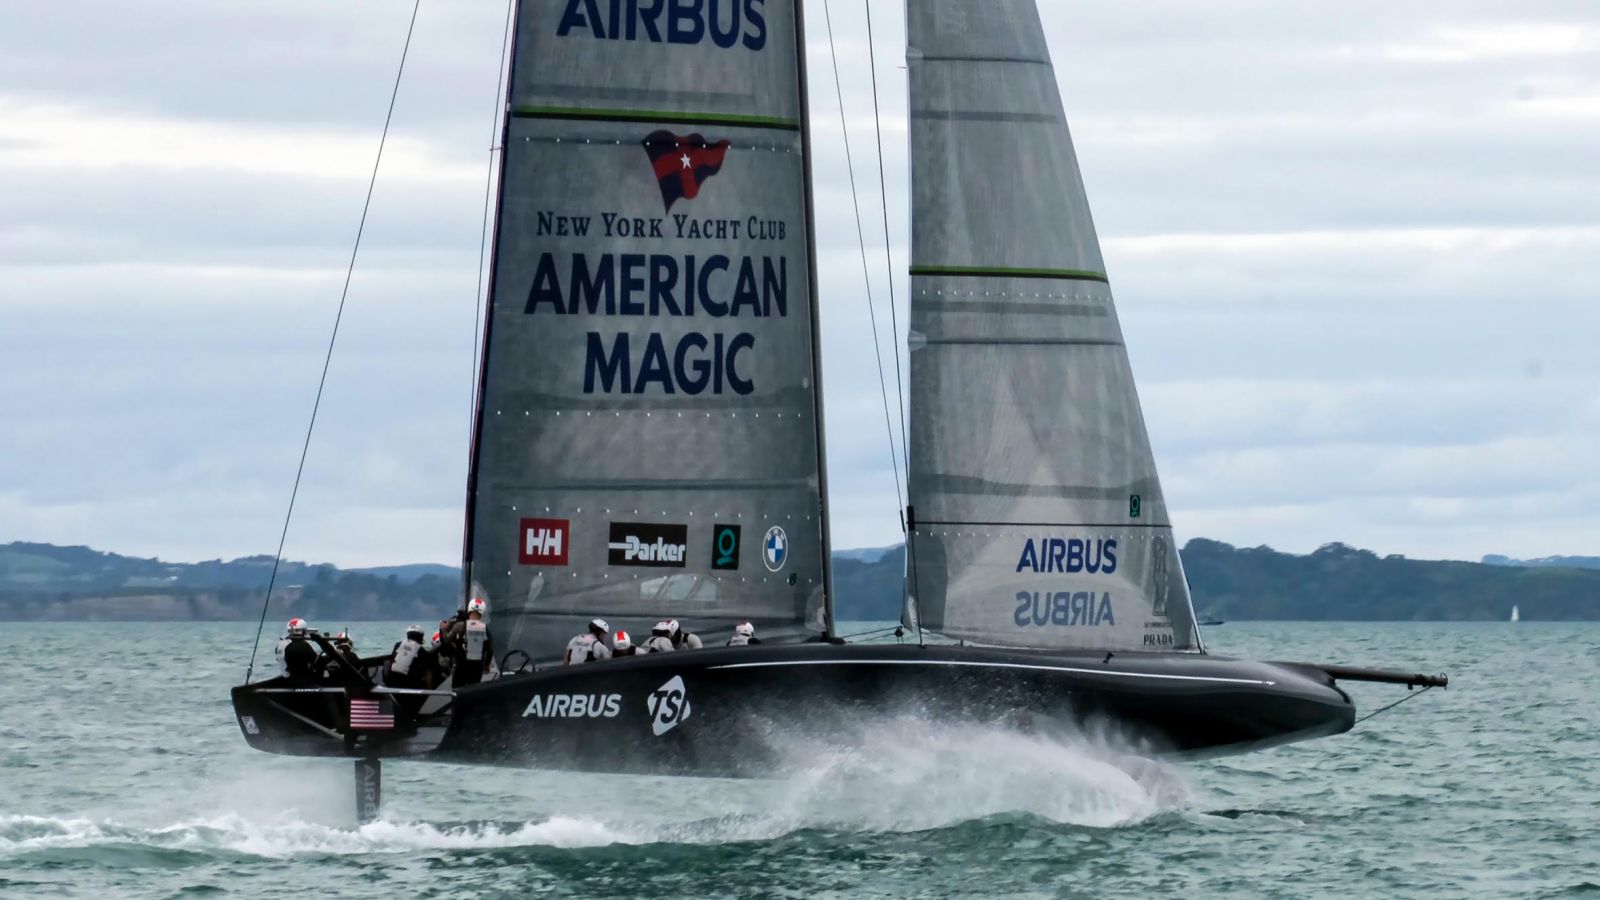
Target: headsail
{"points": [[1039, 520], [649, 441]]}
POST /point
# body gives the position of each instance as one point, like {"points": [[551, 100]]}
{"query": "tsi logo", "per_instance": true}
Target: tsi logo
{"points": [[669, 705], [544, 542], [573, 706]]}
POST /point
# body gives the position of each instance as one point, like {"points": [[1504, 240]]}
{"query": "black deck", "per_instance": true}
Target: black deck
{"points": [[733, 711]]}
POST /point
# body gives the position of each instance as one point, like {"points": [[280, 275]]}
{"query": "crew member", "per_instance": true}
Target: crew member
{"points": [[329, 666], [622, 645], [441, 651], [401, 669], [297, 656], [471, 646], [429, 667], [589, 646], [681, 638], [743, 634], [660, 640]]}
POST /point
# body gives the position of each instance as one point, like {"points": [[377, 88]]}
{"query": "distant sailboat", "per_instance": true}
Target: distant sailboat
{"points": [[1515, 615], [649, 434]]}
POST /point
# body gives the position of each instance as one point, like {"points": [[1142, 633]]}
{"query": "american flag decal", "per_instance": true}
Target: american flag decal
{"points": [[369, 714]]}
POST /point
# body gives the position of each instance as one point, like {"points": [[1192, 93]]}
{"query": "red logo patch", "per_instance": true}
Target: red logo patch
{"points": [[543, 542]]}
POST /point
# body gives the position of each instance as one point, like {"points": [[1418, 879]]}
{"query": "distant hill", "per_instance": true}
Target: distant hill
{"points": [[1545, 562], [44, 581], [1338, 581]]}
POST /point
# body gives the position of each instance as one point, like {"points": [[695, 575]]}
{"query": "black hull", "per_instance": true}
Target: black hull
{"points": [[733, 711]]}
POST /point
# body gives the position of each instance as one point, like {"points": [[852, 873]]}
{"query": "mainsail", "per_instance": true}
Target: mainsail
{"points": [[1038, 517], [649, 436]]}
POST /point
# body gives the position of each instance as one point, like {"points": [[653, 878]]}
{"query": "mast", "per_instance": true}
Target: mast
{"points": [[816, 326], [488, 320]]}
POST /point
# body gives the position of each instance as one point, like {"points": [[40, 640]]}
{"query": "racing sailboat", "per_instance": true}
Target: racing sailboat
{"points": [[649, 439]]}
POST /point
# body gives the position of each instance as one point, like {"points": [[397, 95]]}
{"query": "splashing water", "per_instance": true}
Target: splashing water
{"points": [[901, 774]]}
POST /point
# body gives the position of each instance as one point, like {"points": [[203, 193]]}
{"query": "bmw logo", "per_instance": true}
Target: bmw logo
{"points": [[775, 548]]}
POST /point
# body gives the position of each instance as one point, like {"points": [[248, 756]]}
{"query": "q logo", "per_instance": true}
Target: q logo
{"points": [[724, 546]]}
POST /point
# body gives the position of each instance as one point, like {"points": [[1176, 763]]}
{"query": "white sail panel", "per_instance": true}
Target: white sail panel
{"points": [[1039, 518], [648, 441]]}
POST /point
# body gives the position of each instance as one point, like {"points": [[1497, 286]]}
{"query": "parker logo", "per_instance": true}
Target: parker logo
{"points": [[682, 164], [642, 544], [573, 706], [543, 542], [724, 546], [669, 705]]}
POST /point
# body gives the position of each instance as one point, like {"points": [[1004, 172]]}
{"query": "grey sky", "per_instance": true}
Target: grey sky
{"points": [[1354, 247]]}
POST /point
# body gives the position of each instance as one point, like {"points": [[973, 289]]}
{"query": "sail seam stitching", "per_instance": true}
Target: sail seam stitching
{"points": [[1004, 272], [646, 115]]}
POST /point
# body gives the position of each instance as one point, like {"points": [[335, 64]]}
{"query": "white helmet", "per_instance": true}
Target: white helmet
{"points": [[673, 627], [664, 629], [599, 625], [476, 605], [414, 630], [298, 626], [621, 641], [745, 629]]}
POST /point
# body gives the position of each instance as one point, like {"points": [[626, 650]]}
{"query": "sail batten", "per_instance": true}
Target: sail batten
{"points": [[1040, 519], [648, 444]]}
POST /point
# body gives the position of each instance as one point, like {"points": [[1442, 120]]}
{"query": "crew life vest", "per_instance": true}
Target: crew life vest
{"points": [[657, 643], [404, 656], [477, 637]]}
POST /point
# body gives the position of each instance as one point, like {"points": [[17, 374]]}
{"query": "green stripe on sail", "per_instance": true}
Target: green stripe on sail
{"points": [[998, 272], [648, 115]]}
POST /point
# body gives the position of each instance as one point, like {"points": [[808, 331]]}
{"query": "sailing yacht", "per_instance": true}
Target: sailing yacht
{"points": [[1515, 615], [649, 438]]}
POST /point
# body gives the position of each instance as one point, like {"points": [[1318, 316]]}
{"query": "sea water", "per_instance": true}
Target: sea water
{"points": [[123, 774]]}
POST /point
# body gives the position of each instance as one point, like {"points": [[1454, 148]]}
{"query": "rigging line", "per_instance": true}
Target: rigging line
{"points": [[327, 359], [888, 252], [894, 325], [479, 300], [866, 275], [1408, 696]]}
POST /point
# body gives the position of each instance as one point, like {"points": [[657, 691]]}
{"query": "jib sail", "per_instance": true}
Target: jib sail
{"points": [[1039, 520], [649, 442]]}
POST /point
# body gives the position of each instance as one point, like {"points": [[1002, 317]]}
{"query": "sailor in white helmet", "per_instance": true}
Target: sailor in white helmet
{"points": [[622, 645], [471, 645], [589, 646], [297, 656], [744, 634], [681, 638], [660, 640], [402, 669]]}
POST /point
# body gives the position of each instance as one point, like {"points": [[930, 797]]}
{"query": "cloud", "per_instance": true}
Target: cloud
{"points": [[1352, 248]]}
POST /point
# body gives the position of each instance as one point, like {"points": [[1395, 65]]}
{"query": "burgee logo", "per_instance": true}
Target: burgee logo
{"points": [[682, 164]]}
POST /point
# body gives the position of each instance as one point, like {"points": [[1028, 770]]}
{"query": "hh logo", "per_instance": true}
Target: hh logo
{"points": [[669, 705], [543, 542], [682, 164]]}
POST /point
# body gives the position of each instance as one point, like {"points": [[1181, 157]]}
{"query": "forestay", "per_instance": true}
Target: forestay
{"points": [[648, 441], [1039, 518]]}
